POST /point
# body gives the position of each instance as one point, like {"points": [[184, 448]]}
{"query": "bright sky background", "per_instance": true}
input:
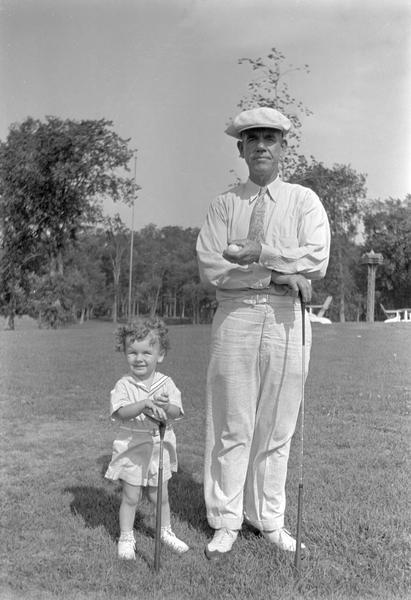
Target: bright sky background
{"points": [[166, 73]]}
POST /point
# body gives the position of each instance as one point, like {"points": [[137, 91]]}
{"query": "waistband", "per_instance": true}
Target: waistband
{"points": [[273, 294], [154, 431]]}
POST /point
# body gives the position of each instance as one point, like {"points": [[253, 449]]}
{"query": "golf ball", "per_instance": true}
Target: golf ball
{"points": [[234, 248]]}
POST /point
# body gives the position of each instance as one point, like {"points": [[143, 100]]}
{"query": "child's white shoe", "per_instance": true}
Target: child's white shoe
{"points": [[126, 546], [169, 538]]}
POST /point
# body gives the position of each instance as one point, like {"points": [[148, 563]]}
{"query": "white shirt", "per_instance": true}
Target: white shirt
{"points": [[128, 390], [296, 237]]}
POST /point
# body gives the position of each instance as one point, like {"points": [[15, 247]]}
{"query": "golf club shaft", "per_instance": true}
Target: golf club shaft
{"points": [[157, 550], [297, 558]]}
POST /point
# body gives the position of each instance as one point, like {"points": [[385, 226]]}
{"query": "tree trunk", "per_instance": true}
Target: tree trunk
{"points": [[196, 310], [174, 299], [56, 264], [342, 286], [153, 309], [10, 321], [114, 310]]}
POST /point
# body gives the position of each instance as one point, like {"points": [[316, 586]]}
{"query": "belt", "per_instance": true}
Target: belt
{"points": [[254, 295], [154, 432]]}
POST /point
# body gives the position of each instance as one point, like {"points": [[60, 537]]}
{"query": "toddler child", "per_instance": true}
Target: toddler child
{"points": [[135, 458]]}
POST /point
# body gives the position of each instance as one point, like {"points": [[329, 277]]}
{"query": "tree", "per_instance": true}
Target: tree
{"points": [[164, 262], [53, 177], [340, 189], [387, 229], [270, 89], [84, 269], [117, 244]]}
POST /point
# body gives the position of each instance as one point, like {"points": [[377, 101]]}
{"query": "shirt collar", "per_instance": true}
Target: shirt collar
{"points": [[253, 189], [142, 385]]}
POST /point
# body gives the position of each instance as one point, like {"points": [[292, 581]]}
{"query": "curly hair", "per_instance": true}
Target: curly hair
{"points": [[139, 329]]}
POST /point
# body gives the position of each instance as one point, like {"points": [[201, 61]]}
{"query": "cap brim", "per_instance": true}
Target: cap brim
{"points": [[234, 132], [231, 130]]}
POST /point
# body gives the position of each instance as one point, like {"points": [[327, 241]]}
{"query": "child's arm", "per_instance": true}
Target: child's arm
{"points": [[172, 410], [129, 411], [134, 410]]}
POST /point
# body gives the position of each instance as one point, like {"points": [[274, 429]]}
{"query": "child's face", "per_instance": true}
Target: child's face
{"points": [[143, 356]]}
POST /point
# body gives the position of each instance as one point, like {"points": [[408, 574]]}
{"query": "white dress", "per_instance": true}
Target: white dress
{"points": [[135, 455]]}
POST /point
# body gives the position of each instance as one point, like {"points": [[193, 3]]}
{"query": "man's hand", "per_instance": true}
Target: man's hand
{"points": [[298, 284], [249, 252]]}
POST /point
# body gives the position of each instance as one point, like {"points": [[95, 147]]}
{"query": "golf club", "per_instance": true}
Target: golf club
{"points": [[297, 557], [162, 428], [157, 550]]}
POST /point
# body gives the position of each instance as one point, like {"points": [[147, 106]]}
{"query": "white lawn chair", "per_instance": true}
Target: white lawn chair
{"points": [[396, 314], [322, 308]]}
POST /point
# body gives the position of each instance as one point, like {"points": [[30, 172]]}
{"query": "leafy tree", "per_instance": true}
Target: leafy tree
{"points": [[53, 177], [164, 264], [202, 299], [270, 88], [340, 189], [84, 268], [387, 229], [50, 300], [117, 236]]}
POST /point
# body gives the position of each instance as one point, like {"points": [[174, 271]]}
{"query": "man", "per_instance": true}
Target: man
{"points": [[261, 244]]}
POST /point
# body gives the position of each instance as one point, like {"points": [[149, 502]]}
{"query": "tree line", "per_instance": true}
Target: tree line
{"points": [[62, 260]]}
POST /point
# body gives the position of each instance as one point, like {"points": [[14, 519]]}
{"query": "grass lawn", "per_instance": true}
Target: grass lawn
{"points": [[60, 517]]}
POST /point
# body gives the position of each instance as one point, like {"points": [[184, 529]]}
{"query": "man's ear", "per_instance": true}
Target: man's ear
{"points": [[284, 144], [240, 147]]}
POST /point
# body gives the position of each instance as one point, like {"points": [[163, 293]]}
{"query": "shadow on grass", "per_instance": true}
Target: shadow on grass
{"points": [[187, 500], [185, 494], [99, 507]]}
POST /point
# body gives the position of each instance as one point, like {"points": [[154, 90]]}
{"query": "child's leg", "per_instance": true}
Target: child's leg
{"points": [[165, 506], [167, 535], [129, 501]]}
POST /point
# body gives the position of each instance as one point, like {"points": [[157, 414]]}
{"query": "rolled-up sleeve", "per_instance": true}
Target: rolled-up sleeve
{"points": [[119, 397], [214, 269], [307, 252], [174, 394]]}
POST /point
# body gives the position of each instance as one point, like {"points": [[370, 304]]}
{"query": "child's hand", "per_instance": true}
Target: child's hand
{"points": [[162, 401], [156, 411], [159, 413]]}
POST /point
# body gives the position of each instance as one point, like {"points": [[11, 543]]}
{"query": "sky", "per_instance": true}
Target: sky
{"points": [[166, 73]]}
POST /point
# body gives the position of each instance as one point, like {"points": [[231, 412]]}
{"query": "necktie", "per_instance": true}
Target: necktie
{"points": [[256, 228]]}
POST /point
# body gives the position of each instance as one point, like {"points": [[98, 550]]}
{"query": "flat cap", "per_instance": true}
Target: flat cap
{"points": [[257, 118]]}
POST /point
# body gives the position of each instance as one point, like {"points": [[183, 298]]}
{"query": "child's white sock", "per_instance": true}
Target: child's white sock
{"points": [[127, 535]]}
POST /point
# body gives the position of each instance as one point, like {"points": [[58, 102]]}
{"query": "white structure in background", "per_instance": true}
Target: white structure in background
{"points": [[319, 317], [397, 315]]}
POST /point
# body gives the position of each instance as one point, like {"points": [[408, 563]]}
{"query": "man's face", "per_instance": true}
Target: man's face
{"points": [[262, 150]]}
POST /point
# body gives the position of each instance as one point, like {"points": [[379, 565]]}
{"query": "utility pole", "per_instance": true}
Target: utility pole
{"points": [[130, 276]]}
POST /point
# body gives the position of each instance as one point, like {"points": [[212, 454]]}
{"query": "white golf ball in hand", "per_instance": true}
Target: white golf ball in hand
{"points": [[233, 248]]}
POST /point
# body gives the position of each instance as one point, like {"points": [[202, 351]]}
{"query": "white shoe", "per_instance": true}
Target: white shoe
{"points": [[169, 538], [221, 543], [282, 539], [126, 546]]}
